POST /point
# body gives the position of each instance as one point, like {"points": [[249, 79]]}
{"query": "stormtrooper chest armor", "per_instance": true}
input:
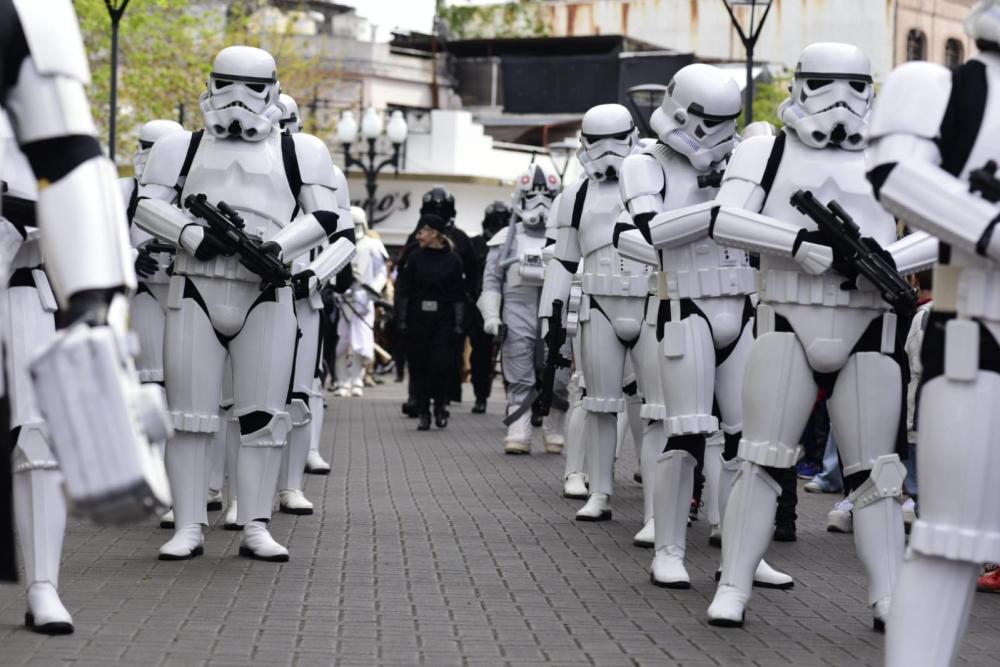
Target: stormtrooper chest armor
{"points": [[702, 268], [247, 175], [605, 272], [828, 173], [528, 266]]}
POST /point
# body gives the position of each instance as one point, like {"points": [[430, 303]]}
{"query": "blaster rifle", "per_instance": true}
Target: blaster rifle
{"points": [[554, 360], [18, 210], [865, 255], [712, 179], [497, 348], [984, 181], [227, 223]]}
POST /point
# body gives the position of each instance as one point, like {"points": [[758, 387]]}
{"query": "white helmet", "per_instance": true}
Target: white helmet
{"points": [[290, 121], [536, 188], [983, 23], [607, 136], [831, 96], [242, 96], [360, 222], [149, 133], [697, 117]]}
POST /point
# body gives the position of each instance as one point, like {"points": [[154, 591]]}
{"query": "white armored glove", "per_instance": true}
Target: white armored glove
{"points": [[489, 307]]}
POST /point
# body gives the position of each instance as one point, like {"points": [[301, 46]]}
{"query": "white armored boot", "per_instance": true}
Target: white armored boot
{"points": [[727, 475], [292, 499], [217, 468], [746, 532], [672, 500], [342, 385], [636, 427], [315, 465], [357, 375], [257, 473], [552, 431], [185, 462], [711, 470], [40, 512], [518, 439], [232, 457], [652, 443], [601, 444], [574, 477], [880, 539]]}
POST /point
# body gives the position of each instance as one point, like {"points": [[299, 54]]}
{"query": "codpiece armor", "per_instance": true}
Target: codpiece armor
{"points": [[512, 285], [704, 319], [614, 293], [282, 189], [932, 160], [815, 326]]}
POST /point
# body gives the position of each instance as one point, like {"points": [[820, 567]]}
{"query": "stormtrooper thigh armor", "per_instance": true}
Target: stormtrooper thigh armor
{"points": [[293, 463], [39, 507], [864, 411]]}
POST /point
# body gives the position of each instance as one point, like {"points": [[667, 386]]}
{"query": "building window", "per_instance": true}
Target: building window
{"points": [[916, 45], [954, 53]]}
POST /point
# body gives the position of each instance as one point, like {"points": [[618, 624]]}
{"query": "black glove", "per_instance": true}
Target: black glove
{"points": [[212, 244], [271, 248], [300, 284], [145, 264]]}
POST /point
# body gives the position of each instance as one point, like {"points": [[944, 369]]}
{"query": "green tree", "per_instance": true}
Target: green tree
{"points": [[767, 97]]}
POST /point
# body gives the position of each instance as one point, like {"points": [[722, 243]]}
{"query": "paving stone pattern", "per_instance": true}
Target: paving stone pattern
{"points": [[434, 548]]}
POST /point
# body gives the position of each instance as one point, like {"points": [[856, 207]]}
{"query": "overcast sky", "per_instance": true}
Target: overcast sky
{"points": [[406, 14]]}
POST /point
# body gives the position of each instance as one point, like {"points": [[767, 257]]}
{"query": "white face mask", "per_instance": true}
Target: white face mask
{"points": [[830, 110]]}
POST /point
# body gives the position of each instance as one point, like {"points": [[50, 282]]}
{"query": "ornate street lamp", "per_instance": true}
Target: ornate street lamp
{"points": [[749, 39], [116, 9], [562, 152], [371, 129], [644, 99]]}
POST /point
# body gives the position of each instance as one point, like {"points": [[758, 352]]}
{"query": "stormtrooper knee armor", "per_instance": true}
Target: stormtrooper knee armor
{"points": [[813, 325], [931, 138], [512, 282], [216, 305]]}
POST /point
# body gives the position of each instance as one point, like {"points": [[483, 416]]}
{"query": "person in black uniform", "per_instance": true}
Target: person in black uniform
{"points": [[496, 217], [430, 301], [438, 201]]}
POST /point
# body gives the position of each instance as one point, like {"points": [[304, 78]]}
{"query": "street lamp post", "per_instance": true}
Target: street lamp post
{"points": [[644, 100], [115, 10], [562, 151], [371, 129], [749, 39]]}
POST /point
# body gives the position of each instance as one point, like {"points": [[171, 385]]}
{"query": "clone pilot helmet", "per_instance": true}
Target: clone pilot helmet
{"points": [[536, 188]]}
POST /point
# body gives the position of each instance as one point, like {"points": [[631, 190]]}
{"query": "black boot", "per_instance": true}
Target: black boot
{"points": [[479, 407], [440, 417], [410, 408], [425, 422]]}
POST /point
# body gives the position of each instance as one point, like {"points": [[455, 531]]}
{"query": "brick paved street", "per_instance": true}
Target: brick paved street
{"points": [[434, 548]]}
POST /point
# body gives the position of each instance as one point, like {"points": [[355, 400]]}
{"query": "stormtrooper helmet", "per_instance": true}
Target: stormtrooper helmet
{"points": [[983, 24], [495, 218], [360, 222], [149, 133], [242, 96], [608, 135], [536, 188], [831, 97], [290, 122], [697, 117], [438, 201]]}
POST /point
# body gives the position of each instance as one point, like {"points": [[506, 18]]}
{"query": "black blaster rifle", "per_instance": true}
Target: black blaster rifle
{"points": [[983, 181], [554, 341], [865, 255], [497, 349], [227, 223], [18, 210]]}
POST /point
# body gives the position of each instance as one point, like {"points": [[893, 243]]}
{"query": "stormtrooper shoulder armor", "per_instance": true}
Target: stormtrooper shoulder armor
{"points": [[561, 213], [315, 165], [166, 160], [749, 160], [641, 175], [54, 40], [499, 238], [914, 98]]}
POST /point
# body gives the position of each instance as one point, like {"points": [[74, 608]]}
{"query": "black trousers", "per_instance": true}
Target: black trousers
{"points": [[481, 361], [430, 352], [8, 560]]}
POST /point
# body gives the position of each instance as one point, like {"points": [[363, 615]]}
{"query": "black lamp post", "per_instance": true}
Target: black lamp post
{"points": [[562, 152], [644, 99], [115, 10], [371, 129], [749, 39]]}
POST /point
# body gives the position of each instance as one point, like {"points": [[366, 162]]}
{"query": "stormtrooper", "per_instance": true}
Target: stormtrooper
{"points": [[305, 403], [356, 333], [284, 189], [933, 135], [818, 324], [704, 319], [96, 415], [613, 293], [39, 506], [512, 284]]}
